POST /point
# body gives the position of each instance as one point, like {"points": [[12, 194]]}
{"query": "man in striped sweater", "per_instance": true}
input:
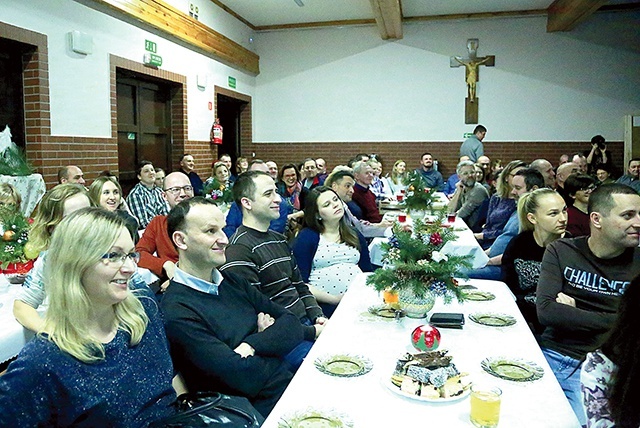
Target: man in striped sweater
{"points": [[263, 257]]}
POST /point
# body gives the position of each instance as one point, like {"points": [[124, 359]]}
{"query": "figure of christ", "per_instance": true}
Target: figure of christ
{"points": [[472, 74]]}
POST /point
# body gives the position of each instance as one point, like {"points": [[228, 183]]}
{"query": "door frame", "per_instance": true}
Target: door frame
{"points": [[246, 121]]}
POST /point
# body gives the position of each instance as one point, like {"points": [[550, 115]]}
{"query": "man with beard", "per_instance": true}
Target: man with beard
{"points": [[469, 196]]}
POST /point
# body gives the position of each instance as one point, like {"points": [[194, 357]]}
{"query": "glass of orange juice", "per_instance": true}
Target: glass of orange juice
{"points": [[485, 406]]}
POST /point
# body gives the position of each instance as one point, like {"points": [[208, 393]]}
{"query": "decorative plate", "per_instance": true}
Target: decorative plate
{"points": [[395, 389], [492, 319], [344, 365], [311, 418], [385, 311], [478, 295], [514, 369]]}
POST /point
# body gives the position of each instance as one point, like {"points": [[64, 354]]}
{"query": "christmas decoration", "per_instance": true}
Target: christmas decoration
{"points": [[414, 261], [217, 191], [425, 338], [418, 197], [12, 159], [14, 229]]}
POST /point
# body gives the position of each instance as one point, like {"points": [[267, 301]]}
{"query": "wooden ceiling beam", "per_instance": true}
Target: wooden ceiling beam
{"points": [[173, 22], [565, 15], [388, 16]]}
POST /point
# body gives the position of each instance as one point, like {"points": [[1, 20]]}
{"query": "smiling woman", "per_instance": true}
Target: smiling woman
{"points": [[329, 252], [101, 340], [105, 192]]}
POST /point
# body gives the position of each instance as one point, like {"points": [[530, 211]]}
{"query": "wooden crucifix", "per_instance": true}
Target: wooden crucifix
{"points": [[471, 64]]}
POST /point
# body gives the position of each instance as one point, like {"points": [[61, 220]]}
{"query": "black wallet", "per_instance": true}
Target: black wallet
{"points": [[447, 320]]}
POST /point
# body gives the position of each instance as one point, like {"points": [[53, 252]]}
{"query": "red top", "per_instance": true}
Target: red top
{"points": [[155, 246], [577, 223], [367, 201]]}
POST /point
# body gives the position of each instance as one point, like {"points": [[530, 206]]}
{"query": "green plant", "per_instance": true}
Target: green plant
{"points": [[14, 231], [418, 196], [217, 191], [414, 260]]}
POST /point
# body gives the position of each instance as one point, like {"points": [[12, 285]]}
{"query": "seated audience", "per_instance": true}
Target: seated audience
{"points": [[481, 177], [603, 174], [105, 192], [581, 282], [397, 177], [187, 167], [469, 197], [56, 204], [546, 169], [610, 375], [363, 203], [264, 258], [450, 184], [290, 188], [279, 224], [102, 358], [221, 173], [342, 182], [311, 177], [562, 173], [579, 187], [242, 165], [543, 219], [379, 185], [273, 169], [71, 174], [329, 252], [501, 205], [632, 178], [157, 252], [432, 178], [525, 180], [225, 335], [145, 199], [160, 174], [226, 159], [580, 160]]}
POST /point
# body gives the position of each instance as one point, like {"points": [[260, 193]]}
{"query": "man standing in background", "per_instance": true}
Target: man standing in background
{"points": [[472, 146]]}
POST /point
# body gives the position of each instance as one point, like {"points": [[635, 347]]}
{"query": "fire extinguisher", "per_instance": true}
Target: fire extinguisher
{"points": [[216, 132]]}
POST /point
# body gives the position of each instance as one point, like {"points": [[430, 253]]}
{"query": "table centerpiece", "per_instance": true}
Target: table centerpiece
{"points": [[14, 231], [418, 197], [219, 193], [417, 270]]}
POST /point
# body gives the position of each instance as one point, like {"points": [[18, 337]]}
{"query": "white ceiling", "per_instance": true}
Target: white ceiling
{"points": [[278, 12]]}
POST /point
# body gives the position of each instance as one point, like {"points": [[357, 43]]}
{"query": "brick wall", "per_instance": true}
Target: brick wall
{"points": [[447, 153]]}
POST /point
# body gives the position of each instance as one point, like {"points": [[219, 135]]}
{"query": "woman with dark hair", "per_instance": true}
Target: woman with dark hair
{"points": [[290, 188], [610, 376], [579, 188], [329, 252]]}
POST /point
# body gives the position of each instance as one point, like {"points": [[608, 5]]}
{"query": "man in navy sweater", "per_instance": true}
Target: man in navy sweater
{"points": [[225, 335]]}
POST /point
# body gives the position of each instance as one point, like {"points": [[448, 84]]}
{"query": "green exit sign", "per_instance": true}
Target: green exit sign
{"points": [[467, 135], [232, 82], [150, 46]]}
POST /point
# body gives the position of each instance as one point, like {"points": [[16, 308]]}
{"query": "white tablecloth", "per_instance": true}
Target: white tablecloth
{"points": [[369, 403], [465, 245], [12, 335]]}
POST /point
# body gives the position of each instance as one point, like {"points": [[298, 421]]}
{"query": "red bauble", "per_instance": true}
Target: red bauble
{"points": [[425, 338]]}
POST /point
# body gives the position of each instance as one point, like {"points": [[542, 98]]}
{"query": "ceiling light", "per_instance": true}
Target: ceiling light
{"points": [[299, 2]]}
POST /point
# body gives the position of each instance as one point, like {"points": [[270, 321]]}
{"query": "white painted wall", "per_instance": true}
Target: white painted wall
{"points": [[346, 84], [79, 85]]}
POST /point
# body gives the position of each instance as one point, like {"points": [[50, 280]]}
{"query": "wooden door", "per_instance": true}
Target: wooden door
{"points": [[144, 125], [11, 88]]}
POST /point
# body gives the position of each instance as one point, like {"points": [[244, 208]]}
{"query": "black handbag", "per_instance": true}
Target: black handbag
{"points": [[206, 409]]}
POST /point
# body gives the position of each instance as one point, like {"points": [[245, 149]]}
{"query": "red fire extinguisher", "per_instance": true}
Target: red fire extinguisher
{"points": [[216, 132]]}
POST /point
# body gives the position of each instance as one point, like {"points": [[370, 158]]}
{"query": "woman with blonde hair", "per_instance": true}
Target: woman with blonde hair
{"points": [[102, 358], [397, 177], [106, 192], [9, 196], [543, 219], [57, 203], [501, 205]]}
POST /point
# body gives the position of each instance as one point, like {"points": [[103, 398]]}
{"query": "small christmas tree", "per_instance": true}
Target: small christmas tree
{"points": [[414, 260], [418, 196], [14, 230], [217, 191], [12, 159]]}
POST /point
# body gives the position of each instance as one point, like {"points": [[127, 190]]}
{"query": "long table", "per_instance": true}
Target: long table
{"points": [[465, 245], [367, 400]]}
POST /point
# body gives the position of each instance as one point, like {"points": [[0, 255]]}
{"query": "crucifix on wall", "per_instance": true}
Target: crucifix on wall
{"points": [[471, 64]]}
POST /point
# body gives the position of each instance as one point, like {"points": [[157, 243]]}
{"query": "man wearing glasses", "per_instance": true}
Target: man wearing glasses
{"points": [[157, 252]]}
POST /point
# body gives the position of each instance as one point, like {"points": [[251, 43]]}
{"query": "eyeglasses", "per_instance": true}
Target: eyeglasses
{"points": [[589, 189], [175, 191], [118, 257]]}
